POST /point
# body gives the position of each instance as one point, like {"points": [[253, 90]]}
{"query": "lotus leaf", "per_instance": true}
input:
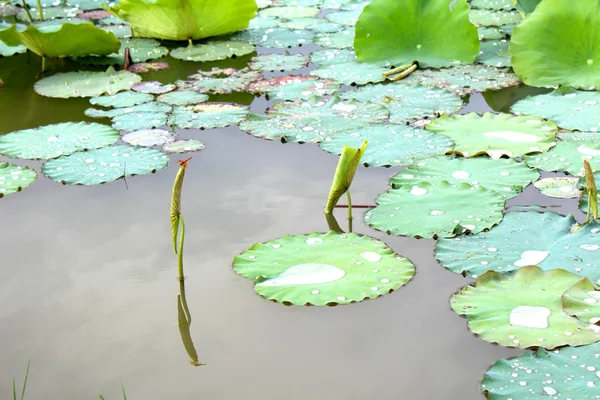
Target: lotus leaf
{"points": [[94, 14], [378, 30], [524, 238], [86, 83], [325, 27], [259, 22], [154, 87], [152, 106], [312, 120], [149, 137], [344, 39], [144, 67], [351, 72], [569, 109], [431, 211], [490, 33], [298, 23], [14, 178], [496, 134], [504, 5], [50, 13], [275, 37], [561, 188], [294, 87], [289, 12], [52, 141], [507, 177], [120, 31], [185, 19], [494, 18], [323, 269], [7, 51], [526, 6], [583, 204], [183, 146], [112, 20], [127, 98], [524, 310], [212, 51], [86, 4], [493, 52], [135, 121], [346, 17], [278, 62], [209, 115], [104, 165], [389, 145], [332, 56], [220, 81], [182, 98], [581, 301], [139, 49], [557, 45]]}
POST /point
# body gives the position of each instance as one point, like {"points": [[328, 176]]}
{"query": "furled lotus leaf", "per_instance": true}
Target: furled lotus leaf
{"points": [[152, 106], [135, 121], [275, 37], [430, 211], [524, 238], [524, 310], [139, 49], [351, 72], [289, 12], [104, 165], [380, 37], [86, 83], [581, 301], [312, 120], [565, 55], [153, 87], [14, 178], [569, 109], [182, 98], [294, 87], [496, 134], [209, 115], [52, 141], [408, 103], [185, 19], [212, 51], [127, 98], [494, 18], [507, 177], [323, 269], [149, 137], [183, 146], [563, 187], [344, 39], [332, 56], [278, 62], [220, 81], [560, 374], [502, 5], [389, 145], [583, 203], [493, 52]]}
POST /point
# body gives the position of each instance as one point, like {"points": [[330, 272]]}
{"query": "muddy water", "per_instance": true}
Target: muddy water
{"points": [[89, 282]]}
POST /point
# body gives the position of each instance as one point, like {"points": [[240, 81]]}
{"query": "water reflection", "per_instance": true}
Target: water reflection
{"points": [[184, 321]]}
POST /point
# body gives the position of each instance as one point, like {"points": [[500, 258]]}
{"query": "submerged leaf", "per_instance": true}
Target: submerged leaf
{"points": [[344, 174]]}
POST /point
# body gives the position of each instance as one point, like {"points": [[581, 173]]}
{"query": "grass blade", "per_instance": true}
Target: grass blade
{"points": [[123, 390], [25, 381]]}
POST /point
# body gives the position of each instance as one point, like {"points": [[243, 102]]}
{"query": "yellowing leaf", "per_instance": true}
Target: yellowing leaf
{"points": [[592, 192], [344, 174]]}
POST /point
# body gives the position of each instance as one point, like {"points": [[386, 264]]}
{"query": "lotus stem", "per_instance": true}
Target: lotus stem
{"points": [[40, 11], [190, 41], [349, 210], [43, 64], [354, 205], [180, 250], [405, 73], [397, 70], [27, 11]]}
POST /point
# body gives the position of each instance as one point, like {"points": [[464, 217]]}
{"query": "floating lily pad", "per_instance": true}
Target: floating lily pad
{"points": [[345, 17], [278, 62], [504, 5], [275, 37], [323, 269], [149, 137], [259, 22], [7, 51], [139, 50], [325, 27], [127, 98], [209, 115], [183, 146], [431, 211], [507, 177], [104, 165], [95, 14], [407, 103], [289, 12], [490, 33], [86, 83], [496, 134], [524, 310], [344, 39], [212, 51], [153, 87], [561, 188], [86, 4], [135, 121], [294, 87], [351, 72], [494, 18], [298, 23], [389, 145], [140, 68], [312, 120], [524, 238], [494, 53], [153, 106], [182, 98], [120, 31], [50, 13], [221, 81], [332, 56], [52, 141], [14, 178], [581, 301]]}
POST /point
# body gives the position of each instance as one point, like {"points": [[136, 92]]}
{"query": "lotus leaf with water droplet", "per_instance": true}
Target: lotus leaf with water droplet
{"points": [[14, 178], [294, 87], [278, 62], [220, 81], [563, 187], [85, 83], [139, 49], [275, 37], [212, 51], [149, 137], [126, 98], [494, 17], [183, 146], [209, 115]]}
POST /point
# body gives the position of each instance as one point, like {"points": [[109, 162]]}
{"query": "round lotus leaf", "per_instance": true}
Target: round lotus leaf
{"points": [[490, 33], [221, 81], [144, 67], [85, 83], [407, 103], [112, 20], [560, 188], [494, 53], [120, 31], [494, 18], [569, 109], [351, 72], [52, 141], [94, 14], [7, 51], [464, 79], [275, 37], [524, 238], [182, 98], [135, 121], [183, 146], [298, 23], [323, 269], [581, 301], [565, 55], [139, 49], [566, 373], [209, 115], [325, 27], [347, 17], [378, 33], [50, 13], [14, 178], [289, 12], [332, 56], [212, 51], [568, 156], [343, 39], [503, 5], [87, 4], [294, 87], [507, 177], [152, 106], [431, 211], [153, 87], [259, 22], [127, 98], [312, 120], [389, 145], [149, 137], [104, 165], [8, 10], [496, 134], [278, 62], [523, 310]]}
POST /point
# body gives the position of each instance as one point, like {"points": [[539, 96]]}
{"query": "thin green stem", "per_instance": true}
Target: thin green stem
{"points": [[180, 249], [40, 11], [14, 390], [26, 8], [123, 390], [25, 381], [190, 41], [349, 210], [405, 73], [188, 316], [43, 64]]}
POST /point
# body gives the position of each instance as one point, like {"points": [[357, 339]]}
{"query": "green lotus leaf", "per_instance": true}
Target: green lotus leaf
{"points": [[507, 177], [502, 100], [120, 31], [323, 269], [85, 83], [496, 134], [112, 20], [52, 141], [14, 178], [104, 165], [275, 37], [560, 188], [332, 56], [50, 13], [351, 73], [62, 39], [524, 310], [185, 19], [569, 109], [149, 137], [325, 27], [143, 67], [278, 62], [135, 121], [344, 39], [346, 17], [581, 301], [209, 115], [312, 120], [490, 33], [389, 145], [212, 51], [87, 4], [182, 98], [7, 51], [565, 55], [298, 23], [183, 146], [526, 6], [379, 36], [431, 211], [502, 5], [294, 87], [259, 22], [152, 106], [566, 373], [407, 103], [494, 18], [139, 49], [521, 239], [127, 98], [154, 87], [289, 12], [220, 81], [493, 52]]}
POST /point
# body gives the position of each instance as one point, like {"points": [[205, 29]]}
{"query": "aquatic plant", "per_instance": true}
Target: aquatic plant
{"points": [[24, 384], [177, 223], [591, 191]]}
